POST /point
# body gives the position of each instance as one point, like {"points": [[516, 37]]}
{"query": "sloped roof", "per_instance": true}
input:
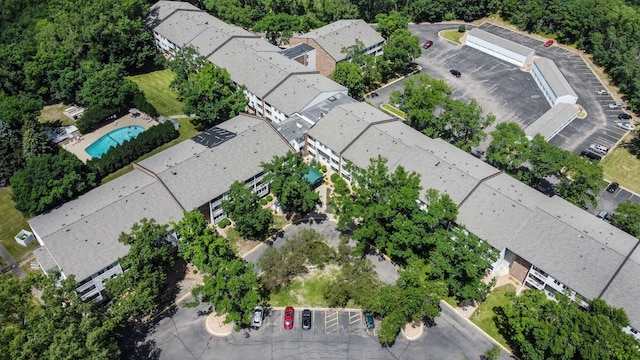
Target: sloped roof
{"points": [[341, 34], [299, 92], [558, 83], [500, 41]]}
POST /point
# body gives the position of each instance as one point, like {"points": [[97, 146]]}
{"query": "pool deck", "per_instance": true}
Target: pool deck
{"points": [[77, 147]]}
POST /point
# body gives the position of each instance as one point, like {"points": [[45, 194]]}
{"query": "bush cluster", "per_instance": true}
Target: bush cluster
{"points": [[128, 151]]}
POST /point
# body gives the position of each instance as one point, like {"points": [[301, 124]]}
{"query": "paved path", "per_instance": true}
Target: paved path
{"points": [[11, 263]]}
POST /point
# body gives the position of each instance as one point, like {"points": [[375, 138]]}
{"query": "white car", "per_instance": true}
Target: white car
{"points": [[626, 126], [599, 148], [603, 92], [616, 106], [258, 315]]}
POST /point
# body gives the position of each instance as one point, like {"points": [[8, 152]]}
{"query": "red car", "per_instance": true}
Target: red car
{"points": [[427, 44], [548, 43], [288, 317]]}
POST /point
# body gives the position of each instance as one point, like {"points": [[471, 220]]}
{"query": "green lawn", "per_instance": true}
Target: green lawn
{"points": [[393, 111], [187, 131], [11, 222], [483, 316], [622, 167], [155, 86], [452, 35], [306, 292]]}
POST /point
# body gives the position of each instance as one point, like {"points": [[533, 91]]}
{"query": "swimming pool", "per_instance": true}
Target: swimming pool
{"points": [[113, 138]]}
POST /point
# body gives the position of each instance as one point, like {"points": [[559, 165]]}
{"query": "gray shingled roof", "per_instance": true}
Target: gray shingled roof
{"points": [[624, 291], [299, 92], [259, 72], [162, 9], [552, 120], [567, 254], [210, 39], [182, 26], [197, 179], [500, 41], [344, 123], [89, 244], [559, 85], [341, 34]]}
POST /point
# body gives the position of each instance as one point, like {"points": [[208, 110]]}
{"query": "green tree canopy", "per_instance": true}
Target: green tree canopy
{"points": [[388, 24], [464, 123], [50, 180], [349, 75], [285, 176], [509, 148], [212, 96], [538, 328], [421, 97], [243, 207], [137, 292], [401, 49], [627, 217], [582, 181]]}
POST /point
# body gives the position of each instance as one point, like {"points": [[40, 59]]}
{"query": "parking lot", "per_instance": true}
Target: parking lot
{"points": [[600, 124], [609, 201], [323, 322]]}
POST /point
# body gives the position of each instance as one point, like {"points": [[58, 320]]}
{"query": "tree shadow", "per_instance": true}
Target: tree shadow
{"points": [[175, 275]]}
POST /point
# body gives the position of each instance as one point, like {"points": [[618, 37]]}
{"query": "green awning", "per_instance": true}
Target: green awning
{"points": [[313, 177]]}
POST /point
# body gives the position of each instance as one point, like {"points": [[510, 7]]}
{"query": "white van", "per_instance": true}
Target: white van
{"points": [[599, 148]]}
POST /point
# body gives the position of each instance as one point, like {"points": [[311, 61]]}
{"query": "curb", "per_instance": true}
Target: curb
{"points": [[411, 338], [214, 333], [479, 329]]}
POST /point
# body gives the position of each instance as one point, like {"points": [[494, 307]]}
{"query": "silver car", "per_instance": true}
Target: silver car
{"points": [[626, 126], [258, 315], [599, 148], [616, 106]]}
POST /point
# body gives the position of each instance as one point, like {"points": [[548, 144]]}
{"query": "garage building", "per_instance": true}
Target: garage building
{"points": [[499, 47], [552, 83], [553, 121]]}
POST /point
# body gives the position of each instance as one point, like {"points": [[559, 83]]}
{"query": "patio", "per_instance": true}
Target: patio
{"points": [[78, 145]]}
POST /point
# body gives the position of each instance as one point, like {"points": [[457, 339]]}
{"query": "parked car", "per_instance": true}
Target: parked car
{"points": [[368, 320], [427, 44], [258, 316], [603, 92], [288, 317], [624, 116], [613, 187], [306, 319], [548, 43], [599, 148], [626, 126], [590, 155], [455, 73], [616, 106], [602, 214]]}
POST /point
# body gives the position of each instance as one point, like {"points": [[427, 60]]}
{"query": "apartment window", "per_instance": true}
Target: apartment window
{"points": [[87, 289], [634, 331], [557, 282]]}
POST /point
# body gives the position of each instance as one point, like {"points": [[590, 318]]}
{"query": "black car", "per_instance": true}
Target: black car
{"points": [[306, 319], [613, 187], [455, 73], [624, 116], [591, 155]]}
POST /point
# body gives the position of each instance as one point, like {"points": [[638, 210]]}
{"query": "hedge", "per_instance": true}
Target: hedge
{"points": [[128, 151]]}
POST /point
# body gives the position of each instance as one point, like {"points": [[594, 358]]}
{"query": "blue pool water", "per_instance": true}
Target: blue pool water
{"points": [[113, 138]]}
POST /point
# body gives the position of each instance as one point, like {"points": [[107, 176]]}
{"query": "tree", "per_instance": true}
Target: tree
{"points": [[212, 96], [461, 260], [186, 62], [400, 51], [285, 177], [509, 148], [465, 123], [34, 140], [50, 180], [388, 24], [627, 217], [355, 53], [243, 207], [11, 159], [278, 27], [546, 159], [107, 89], [16, 110], [538, 328], [230, 284], [137, 292], [421, 97], [582, 181], [349, 75]]}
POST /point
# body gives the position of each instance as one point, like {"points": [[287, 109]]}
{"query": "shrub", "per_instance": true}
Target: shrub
{"points": [[462, 28], [334, 177], [128, 151], [269, 198], [140, 102], [224, 223], [323, 169], [263, 201], [95, 116]]}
